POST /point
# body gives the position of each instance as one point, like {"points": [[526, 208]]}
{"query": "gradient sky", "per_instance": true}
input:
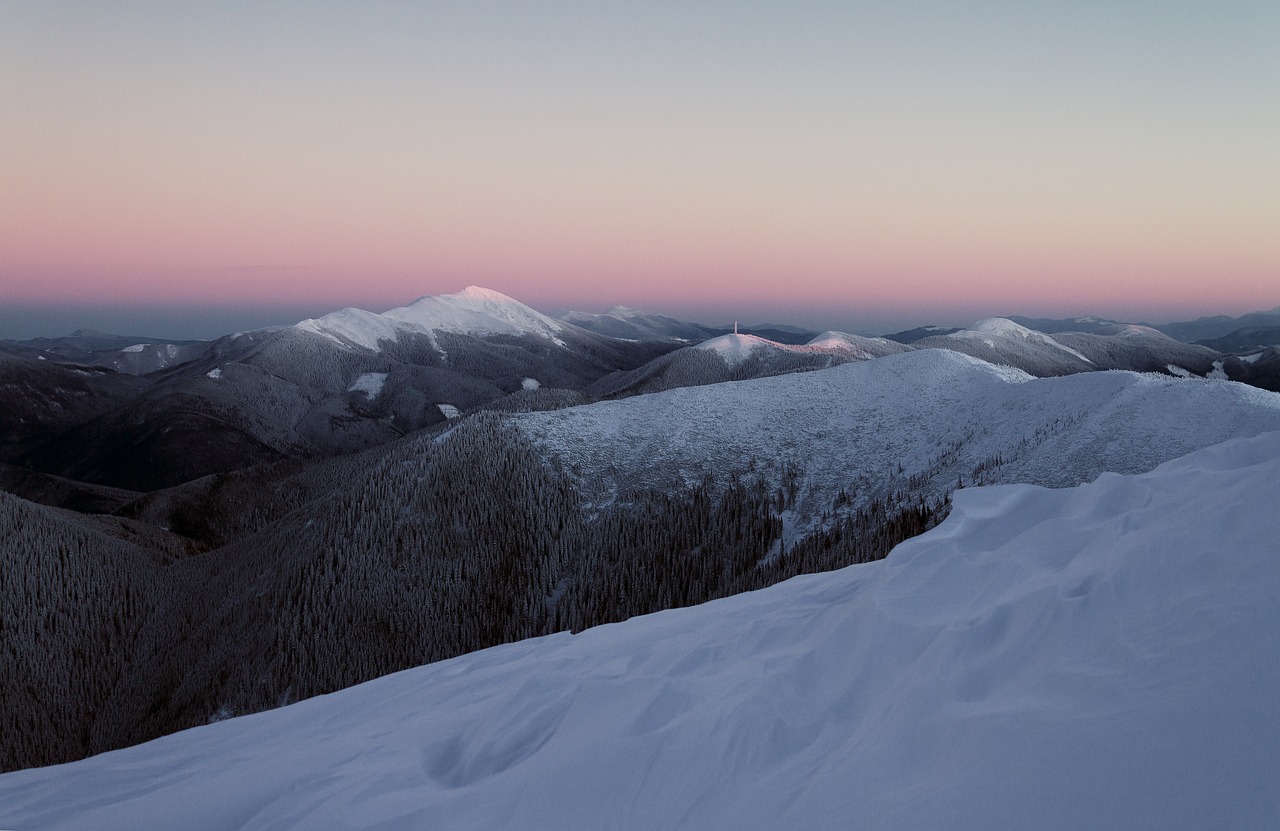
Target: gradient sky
{"points": [[856, 165]]}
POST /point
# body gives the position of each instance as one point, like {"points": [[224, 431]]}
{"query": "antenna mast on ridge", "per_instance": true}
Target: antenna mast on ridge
{"points": [[735, 327]]}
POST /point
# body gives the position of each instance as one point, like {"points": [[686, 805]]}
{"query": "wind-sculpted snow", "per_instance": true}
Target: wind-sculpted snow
{"points": [[1098, 657], [870, 427]]}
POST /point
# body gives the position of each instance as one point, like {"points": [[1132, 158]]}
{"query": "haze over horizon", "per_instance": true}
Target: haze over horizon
{"points": [[24, 321], [190, 171]]}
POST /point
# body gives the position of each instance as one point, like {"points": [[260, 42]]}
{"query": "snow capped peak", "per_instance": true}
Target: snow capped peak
{"points": [[477, 311], [991, 328], [736, 348], [625, 312], [472, 311], [999, 326], [480, 294], [856, 346]]}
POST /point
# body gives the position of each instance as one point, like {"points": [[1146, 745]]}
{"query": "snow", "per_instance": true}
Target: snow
{"points": [[1181, 372], [214, 374], [472, 311], [856, 346], [137, 347], [1217, 373], [370, 384], [1096, 657], [530, 384], [735, 349], [1000, 327], [1251, 359], [449, 411], [478, 311], [934, 411], [352, 326]]}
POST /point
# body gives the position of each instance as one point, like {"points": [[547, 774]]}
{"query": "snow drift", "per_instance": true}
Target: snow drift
{"points": [[1096, 657]]}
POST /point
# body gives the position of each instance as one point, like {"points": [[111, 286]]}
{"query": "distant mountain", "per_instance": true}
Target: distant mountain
{"points": [[1052, 326], [124, 353], [920, 333], [1246, 339], [633, 324], [1209, 328], [739, 357], [349, 380], [999, 340], [473, 311]]}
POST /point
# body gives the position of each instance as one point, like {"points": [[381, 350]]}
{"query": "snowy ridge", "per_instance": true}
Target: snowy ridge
{"points": [[1095, 657], [352, 326], [856, 346], [1000, 327], [477, 311], [846, 426], [735, 349], [472, 311]]}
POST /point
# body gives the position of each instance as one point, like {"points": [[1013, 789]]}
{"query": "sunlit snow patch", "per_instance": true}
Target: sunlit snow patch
{"points": [[449, 411], [370, 384], [214, 373], [1217, 373], [1179, 371], [137, 347], [530, 384]]}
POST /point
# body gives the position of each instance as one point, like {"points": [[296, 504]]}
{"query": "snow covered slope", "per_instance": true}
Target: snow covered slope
{"points": [[869, 427], [634, 324], [472, 311], [737, 349], [738, 357], [1098, 657]]}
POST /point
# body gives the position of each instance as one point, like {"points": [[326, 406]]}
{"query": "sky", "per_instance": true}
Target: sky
{"points": [[195, 168]]}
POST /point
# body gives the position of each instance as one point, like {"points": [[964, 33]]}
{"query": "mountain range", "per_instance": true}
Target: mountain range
{"points": [[284, 513]]}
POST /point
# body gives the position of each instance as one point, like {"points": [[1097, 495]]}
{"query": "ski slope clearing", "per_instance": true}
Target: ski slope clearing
{"points": [[918, 421], [1096, 657]]}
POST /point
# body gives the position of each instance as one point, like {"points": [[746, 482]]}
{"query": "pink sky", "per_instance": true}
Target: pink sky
{"points": [[858, 165]]}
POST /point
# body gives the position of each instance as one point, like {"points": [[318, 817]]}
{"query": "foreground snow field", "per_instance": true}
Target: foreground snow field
{"points": [[1103, 656]]}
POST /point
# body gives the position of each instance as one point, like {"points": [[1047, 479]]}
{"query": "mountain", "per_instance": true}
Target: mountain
{"points": [[123, 353], [738, 357], [1259, 369], [1209, 328], [1001, 341], [305, 577], [917, 421], [43, 397], [1052, 326], [1246, 339], [472, 311], [332, 385], [1140, 348], [633, 324], [920, 333], [1095, 657]]}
